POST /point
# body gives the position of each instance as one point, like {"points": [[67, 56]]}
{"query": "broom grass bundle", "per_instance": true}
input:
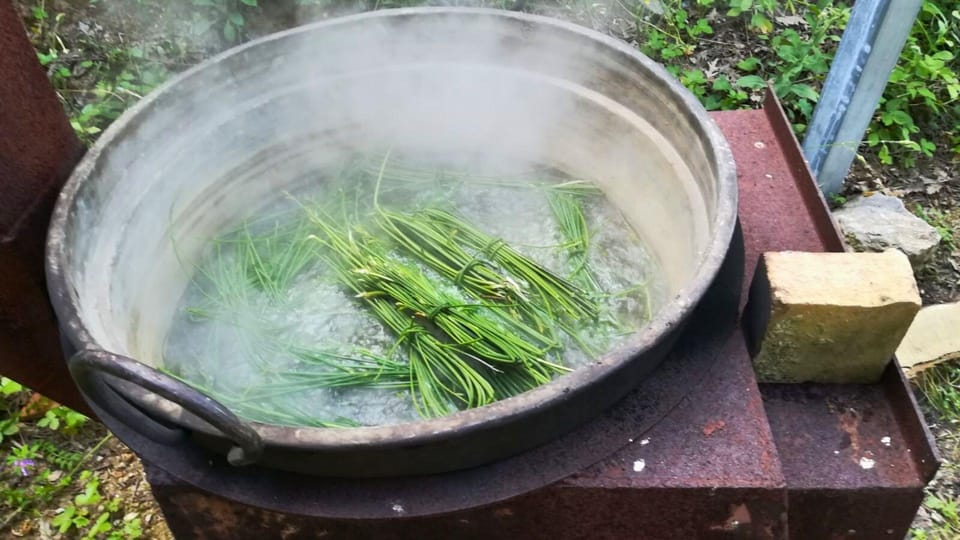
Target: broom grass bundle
{"points": [[559, 297], [572, 225], [457, 351], [484, 327]]}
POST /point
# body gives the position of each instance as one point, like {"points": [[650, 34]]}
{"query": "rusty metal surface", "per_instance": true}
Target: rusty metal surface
{"points": [[855, 457], [839, 437], [37, 151], [588, 513], [718, 436], [916, 434]]}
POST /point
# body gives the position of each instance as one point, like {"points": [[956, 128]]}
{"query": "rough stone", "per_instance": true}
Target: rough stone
{"points": [[879, 222], [828, 317], [933, 337]]}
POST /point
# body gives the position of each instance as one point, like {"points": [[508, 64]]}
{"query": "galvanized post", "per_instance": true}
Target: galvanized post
{"points": [[868, 52]]}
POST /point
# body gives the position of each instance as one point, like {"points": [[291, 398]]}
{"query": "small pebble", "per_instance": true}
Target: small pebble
{"points": [[644, 442], [885, 441], [867, 463], [639, 465]]}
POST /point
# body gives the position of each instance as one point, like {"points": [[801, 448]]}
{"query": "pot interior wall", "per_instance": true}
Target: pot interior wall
{"points": [[242, 130]]}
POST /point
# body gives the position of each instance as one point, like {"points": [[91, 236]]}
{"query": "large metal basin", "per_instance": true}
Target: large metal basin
{"points": [[236, 131]]}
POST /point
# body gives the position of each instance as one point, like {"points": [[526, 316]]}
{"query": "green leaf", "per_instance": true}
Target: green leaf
{"points": [[722, 84], [91, 494], [9, 386], [884, 155], [251, 3], [64, 520], [760, 22], [101, 526], [200, 26], [753, 82], [749, 64], [702, 27], [739, 6], [49, 420], [9, 426], [693, 77], [943, 55], [804, 91], [896, 117], [236, 18], [229, 32]]}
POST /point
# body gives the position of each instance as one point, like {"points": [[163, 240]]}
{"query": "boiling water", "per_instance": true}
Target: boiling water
{"points": [[235, 341]]}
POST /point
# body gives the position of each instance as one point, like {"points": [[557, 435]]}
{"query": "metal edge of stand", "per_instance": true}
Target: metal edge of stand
{"points": [[896, 387]]}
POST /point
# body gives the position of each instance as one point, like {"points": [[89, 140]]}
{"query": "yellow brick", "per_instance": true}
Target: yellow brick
{"points": [[828, 317]]}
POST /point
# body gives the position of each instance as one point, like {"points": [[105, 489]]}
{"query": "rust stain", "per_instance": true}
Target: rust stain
{"points": [[713, 426], [849, 421]]}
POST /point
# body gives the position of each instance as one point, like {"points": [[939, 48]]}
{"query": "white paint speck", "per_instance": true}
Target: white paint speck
{"points": [[644, 442], [398, 508], [630, 440], [885, 441], [867, 463], [639, 465], [836, 452], [759, 144]]}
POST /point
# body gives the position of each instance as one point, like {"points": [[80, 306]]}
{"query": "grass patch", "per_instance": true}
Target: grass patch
{"points": [[940, 386]]}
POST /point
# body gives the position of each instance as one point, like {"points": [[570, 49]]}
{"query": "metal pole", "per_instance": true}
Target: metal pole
{"points": [[868, 52], [37, 151]]}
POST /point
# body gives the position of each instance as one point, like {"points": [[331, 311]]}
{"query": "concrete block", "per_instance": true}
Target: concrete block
{"points": [[934, 337], [828, 317]]}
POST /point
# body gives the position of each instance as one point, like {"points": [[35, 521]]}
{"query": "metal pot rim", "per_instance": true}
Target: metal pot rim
{"points": [[426, 431]]}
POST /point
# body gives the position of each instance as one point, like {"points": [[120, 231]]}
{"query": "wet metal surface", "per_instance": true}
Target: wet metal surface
{"points": [[37, 151]]}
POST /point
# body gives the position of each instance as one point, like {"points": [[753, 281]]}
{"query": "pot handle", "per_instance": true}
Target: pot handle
{"points": [[90, 368]]}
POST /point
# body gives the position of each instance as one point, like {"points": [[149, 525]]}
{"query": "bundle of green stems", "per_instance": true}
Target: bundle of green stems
{"points": [[481, 326]]}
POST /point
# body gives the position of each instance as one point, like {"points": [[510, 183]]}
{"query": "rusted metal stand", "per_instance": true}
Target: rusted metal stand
{"points": [[37, 151]]}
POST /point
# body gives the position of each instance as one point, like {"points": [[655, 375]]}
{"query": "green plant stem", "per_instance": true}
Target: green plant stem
{"points": [[86, 457], [557, 295]]}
